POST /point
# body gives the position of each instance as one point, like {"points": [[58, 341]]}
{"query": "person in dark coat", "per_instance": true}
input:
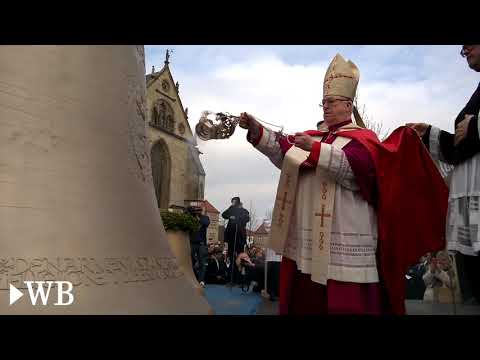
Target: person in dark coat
{"points": [[415, 286], [235, 232]]}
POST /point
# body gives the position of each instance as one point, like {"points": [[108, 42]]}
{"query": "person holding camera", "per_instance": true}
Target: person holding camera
{"points": [[235, 232], [246, 269], [437, 279], [198, 243]]}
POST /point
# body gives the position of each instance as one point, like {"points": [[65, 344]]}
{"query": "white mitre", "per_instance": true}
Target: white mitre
{"points": [[341, 78]]}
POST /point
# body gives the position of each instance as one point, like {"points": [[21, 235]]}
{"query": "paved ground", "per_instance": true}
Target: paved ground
{"points": [[267, 307], [418, 307], [414, 307], [232, 301]]}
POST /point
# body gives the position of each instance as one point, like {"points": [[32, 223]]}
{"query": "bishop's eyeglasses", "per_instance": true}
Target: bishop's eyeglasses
{"points": [[331, 102]]}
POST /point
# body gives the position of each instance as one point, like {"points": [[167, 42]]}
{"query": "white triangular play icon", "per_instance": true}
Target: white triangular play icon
{"points": [[15, 294]]}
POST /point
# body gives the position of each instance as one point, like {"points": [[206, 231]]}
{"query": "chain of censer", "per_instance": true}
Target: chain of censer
{"points": [[236, 119]]}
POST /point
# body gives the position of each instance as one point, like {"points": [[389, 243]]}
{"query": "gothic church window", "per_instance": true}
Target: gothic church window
{"points": [[161, 171]]}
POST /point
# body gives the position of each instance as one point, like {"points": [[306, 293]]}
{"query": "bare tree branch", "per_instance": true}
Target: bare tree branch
{"points": [[376, 127], [268, 214], [253, 219]]}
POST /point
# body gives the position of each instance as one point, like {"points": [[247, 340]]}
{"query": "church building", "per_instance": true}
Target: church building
{"points": [[177, 171]]}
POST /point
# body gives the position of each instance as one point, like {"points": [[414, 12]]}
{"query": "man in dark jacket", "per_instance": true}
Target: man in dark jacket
{"points": [[414, 280], [235, 232], [198, 243]]}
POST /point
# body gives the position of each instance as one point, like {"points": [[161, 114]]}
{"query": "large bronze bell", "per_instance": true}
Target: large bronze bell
{"points": [[77, 201]]}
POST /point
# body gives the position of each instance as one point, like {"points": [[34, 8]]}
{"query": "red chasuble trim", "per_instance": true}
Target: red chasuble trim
{"points": [[312, 159], [315, 133]]}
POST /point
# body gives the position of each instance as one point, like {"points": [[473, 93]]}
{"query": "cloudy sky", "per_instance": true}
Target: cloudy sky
{"points": [[283, 85]]}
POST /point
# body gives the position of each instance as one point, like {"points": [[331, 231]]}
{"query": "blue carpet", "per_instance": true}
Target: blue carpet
{"points": [[232, 301]]}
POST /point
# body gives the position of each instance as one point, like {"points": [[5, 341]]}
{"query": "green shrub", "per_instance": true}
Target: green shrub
{"points": [[179, 221]]}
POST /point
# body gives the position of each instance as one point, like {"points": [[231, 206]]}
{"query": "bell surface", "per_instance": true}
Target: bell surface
{"points": [[77, 202]]}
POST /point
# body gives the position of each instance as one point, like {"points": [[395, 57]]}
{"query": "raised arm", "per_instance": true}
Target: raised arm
{"points": [[268, 142], [454, 148]]}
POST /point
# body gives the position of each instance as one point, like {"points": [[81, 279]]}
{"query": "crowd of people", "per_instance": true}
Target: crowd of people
{"points": [[432, 279], [248, 268], [233, 263]]}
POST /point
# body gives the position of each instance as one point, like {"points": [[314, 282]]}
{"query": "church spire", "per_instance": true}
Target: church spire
{"points": [[167, 57]]}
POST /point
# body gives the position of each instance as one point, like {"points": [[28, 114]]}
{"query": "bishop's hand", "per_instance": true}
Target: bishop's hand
{"points": [[304, 141], [247, 121]]}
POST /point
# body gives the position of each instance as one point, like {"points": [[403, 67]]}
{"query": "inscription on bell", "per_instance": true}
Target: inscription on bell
{"points": [[87, 271]]}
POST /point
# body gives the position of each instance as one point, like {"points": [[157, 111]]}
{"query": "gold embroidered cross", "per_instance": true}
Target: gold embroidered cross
{"points": [[323, 215]]}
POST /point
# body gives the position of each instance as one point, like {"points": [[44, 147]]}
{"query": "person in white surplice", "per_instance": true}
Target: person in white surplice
{"points": [[462, 150]]}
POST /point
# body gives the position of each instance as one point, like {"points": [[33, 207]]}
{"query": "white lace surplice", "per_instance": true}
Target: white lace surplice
{"points": [[353, 241], [463, 216]]}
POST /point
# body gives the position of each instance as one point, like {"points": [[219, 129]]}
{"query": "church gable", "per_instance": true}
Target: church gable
{"points": [[166, 111], [176, 167]]}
